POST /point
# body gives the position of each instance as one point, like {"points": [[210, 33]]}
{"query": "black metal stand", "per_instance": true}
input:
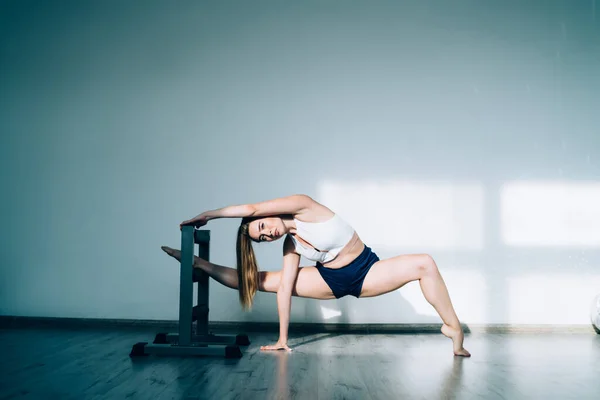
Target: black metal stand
{"points": [[190, 342]]}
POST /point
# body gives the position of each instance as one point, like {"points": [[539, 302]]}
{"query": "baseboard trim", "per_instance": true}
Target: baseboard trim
{"points": [[20, 322]]}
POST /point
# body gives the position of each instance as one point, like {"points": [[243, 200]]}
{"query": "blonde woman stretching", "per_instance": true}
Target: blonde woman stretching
{"points": [[344, 265]]}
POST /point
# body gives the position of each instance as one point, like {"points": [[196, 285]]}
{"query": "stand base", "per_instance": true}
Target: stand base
{"points": [[171, 338], [195, 349]]}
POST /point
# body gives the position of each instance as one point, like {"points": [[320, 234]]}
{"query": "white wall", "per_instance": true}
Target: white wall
{"points": [[470, 131]]}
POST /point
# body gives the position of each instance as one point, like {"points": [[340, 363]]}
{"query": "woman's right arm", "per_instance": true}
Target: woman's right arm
{"points": [[244, 210], [241, 211], [285, 205]]}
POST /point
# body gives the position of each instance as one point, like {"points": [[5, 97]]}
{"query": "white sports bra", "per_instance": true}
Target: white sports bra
{"points": [[329, 237]]}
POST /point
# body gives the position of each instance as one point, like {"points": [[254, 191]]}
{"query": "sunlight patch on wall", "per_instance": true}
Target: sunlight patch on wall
{"points": [[328, 313], [551, 299], [436, 215], [468, 291], [550, 214]]}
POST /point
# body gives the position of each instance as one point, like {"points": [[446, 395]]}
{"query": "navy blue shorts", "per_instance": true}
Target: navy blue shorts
{"points": [[349, 279]]}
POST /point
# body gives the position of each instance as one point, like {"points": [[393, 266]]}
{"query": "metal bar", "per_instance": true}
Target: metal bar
{"points": [[202, 236], [173, 338], [231, 351], [200, 313], [203, 288], [186, 285]]}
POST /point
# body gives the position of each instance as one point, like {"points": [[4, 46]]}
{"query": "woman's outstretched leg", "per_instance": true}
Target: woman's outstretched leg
{"points": [[309, 282], [393, 273], [224, 275]]}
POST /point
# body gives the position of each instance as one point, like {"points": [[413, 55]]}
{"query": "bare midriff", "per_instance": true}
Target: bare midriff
{"points": [[351, 250]]}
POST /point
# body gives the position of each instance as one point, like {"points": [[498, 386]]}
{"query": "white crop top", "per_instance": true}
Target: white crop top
{"points": [[329, 237]]}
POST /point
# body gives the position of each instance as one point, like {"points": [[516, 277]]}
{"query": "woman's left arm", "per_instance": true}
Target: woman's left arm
{"points": [[291, 263]]}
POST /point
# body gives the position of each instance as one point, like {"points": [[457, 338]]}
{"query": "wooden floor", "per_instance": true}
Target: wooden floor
{"points": [[95, 364]]}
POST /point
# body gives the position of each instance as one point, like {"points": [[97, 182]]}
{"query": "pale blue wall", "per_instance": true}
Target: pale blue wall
{"points": [[118, 121]]}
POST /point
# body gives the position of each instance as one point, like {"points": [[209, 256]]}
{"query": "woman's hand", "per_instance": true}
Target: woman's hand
{"points": [[276, 346], [197, 221]]}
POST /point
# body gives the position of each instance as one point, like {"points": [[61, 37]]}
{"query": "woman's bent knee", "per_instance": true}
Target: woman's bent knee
{"points": [[427, 265]]}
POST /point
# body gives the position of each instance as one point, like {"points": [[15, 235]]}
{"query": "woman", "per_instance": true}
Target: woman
{"points": [[344, 265]]}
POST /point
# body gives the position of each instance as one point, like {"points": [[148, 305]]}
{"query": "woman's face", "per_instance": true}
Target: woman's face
{"points": [[266, 229]]}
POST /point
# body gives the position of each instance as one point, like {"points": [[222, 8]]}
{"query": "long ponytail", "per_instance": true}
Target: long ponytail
{"points": [[247, 267]]}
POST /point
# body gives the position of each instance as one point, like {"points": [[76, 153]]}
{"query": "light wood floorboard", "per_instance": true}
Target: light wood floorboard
{"points": [[95, 364]]}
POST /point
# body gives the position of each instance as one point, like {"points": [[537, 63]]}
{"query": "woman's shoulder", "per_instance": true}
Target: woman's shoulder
{"points": [[318, 213]]}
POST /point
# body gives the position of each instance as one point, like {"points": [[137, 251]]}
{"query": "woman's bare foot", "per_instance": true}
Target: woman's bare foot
{"points": [[176, 254], [457, 337]]}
